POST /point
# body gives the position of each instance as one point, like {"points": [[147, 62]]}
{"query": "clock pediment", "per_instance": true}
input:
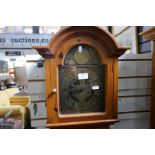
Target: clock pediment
{"points": [[105, 38]]}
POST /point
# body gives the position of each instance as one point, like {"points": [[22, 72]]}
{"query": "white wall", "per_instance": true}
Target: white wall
{"points": [[135, 71], [134, 91]]}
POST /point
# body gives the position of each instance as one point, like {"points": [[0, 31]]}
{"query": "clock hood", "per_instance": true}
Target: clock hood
{"points": [[105, 38]]}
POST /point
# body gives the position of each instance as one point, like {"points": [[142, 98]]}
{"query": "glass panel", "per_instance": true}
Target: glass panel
{"points": [[3, 66], [19, 29], [49, 29], [16, 29], [9, 29], [81, 89], [28, 29], [2, 29], [82, 55], [81, 82]]}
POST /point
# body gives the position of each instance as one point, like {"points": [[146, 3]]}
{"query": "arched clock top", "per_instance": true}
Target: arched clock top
{"points": [[106, 40]]}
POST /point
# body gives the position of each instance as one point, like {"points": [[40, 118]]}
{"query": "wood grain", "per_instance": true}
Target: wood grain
{"points": [[153, 88], [108, 50]]}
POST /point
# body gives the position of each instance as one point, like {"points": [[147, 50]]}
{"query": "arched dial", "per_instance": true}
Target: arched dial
{"points": [[81, 85], [81, 55]]}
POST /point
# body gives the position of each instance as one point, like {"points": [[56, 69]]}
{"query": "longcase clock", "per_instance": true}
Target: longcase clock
{"points": [[81, 67]]}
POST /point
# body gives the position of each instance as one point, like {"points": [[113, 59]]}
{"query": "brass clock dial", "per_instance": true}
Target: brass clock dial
{"points": [[81, 82], [83, 94], [81, 55]]}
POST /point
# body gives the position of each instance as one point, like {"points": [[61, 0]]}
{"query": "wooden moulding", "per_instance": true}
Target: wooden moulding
{"points": [[149, 34], [83, 124], [104, 37], [44, 51]]}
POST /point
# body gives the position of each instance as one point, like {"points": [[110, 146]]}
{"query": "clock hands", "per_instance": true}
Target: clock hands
{"points": [[81, 94], [79, 89]]}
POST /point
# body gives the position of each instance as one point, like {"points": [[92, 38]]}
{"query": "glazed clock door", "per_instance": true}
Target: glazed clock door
{"points": [[81, 82]]}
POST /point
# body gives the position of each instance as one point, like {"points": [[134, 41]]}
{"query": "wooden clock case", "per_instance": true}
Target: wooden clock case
{"points": [[108, 50], [150, 35]]}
